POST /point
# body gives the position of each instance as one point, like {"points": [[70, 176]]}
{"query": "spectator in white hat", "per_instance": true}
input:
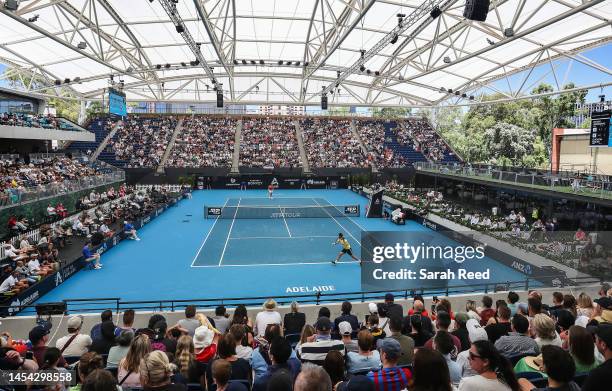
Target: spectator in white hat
{"points": [[345, 330], [204, 343], [75, 343], [268, 316], [476, 333]]}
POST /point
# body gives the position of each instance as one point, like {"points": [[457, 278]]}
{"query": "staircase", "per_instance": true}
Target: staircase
{"points": [[407, 151], [363, 147], [104, 142], [98, 127], [170, 146], [300, 141], [236, 157]]}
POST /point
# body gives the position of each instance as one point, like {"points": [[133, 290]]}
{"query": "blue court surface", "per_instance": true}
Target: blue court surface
{"points": [[183, 255]]}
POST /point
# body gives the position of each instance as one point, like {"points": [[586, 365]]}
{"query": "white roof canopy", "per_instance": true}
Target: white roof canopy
{"points": [[137, 41]]}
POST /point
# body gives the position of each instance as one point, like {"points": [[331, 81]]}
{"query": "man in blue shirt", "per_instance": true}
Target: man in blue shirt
{"points": [[280, 357], [130, 231], [390, 377], [90, 256]]}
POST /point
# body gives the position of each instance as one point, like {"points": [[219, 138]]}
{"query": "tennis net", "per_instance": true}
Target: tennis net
{"points": [[281, 212]]}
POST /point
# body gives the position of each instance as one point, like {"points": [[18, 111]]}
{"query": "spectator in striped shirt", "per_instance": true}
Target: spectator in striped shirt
{"points": [[316, 351], [390, 377]]}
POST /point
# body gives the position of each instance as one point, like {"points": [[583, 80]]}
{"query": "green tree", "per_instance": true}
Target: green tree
{"points": [[507, 141]]}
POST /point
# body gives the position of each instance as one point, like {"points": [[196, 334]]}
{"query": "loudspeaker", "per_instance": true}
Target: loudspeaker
{"points": [[476, 10], [219, 98], [324, 102], [46, 309]]}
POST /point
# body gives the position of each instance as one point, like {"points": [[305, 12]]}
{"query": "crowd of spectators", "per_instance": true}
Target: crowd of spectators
{"points": [[102, 215], [30, 120], [419, 133], [142, 141], [204, 141], [527, 229], [55, 174], [330, 143], [372, 135], [507, 345], [269, 142]]}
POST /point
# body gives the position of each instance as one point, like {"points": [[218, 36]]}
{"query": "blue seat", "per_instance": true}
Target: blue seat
{"points": [[194, 387], [529, 375]]}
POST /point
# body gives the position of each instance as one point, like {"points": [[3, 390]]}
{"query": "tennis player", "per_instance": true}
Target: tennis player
{"points": [[346, 249], [270, 191]]}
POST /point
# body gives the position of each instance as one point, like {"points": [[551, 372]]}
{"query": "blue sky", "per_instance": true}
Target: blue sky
{"points": [[567, 70]]}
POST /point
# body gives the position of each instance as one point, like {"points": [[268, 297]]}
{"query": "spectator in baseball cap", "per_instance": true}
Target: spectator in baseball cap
{"points": [[315, 352], [39, 337], [346, 330], [603, 310], [390, 377], [601, 375]]}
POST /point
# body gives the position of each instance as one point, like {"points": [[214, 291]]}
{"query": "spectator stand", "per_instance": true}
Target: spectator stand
{"points": [[24, 299], [527, 262]]}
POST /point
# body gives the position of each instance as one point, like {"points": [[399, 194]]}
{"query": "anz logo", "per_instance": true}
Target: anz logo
{"points": [[522, 267]]}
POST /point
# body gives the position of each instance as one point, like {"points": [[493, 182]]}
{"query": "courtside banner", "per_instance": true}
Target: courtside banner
{"points": [[423, 260]]}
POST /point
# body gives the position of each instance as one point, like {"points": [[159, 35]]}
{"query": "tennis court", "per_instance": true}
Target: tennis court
{"points": [[181, 254], [276, 232]]}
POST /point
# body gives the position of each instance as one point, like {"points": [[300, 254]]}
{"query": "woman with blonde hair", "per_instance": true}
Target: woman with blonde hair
{"points": [[155, 372], [585, 305], [129, 367], [185, 361], [545, 331], [470, 308], [307, 335]]}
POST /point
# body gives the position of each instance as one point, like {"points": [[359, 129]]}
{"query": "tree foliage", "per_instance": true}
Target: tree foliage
{"points": [[504, 140], [466, 131]]}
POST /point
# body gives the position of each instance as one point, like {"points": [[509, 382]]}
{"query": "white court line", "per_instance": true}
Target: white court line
{"points": [[283, 237], [285, 220], [229, 233], [275, 264], [206, 238], [347, 231]]}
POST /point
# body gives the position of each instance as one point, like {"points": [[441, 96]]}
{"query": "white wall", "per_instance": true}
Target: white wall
{"points": [[27, 133]]}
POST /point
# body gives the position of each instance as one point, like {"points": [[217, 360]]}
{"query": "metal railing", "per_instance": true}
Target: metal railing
{"points": [[566, 182], [21, 196], [88, 305]]}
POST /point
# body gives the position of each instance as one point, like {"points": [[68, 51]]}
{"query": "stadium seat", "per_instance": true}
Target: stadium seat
{"points": [[540, 383], [72, 359], [194, 387], [515, 359], [293, 339], [529, 375]]}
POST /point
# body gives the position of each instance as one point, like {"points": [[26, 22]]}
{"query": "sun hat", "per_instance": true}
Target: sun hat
{"points": [[202, 337], [270, 304], [475, 331]]}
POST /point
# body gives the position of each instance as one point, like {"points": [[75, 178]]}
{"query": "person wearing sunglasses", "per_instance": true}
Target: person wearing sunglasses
{"points": [[494, 372]]}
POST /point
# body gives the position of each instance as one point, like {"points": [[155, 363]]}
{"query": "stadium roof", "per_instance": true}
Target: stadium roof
{"points": [[318, 41]]}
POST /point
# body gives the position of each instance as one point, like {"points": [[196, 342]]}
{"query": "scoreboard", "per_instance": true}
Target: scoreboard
{"points": [[116, 102], [601, 134]]}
